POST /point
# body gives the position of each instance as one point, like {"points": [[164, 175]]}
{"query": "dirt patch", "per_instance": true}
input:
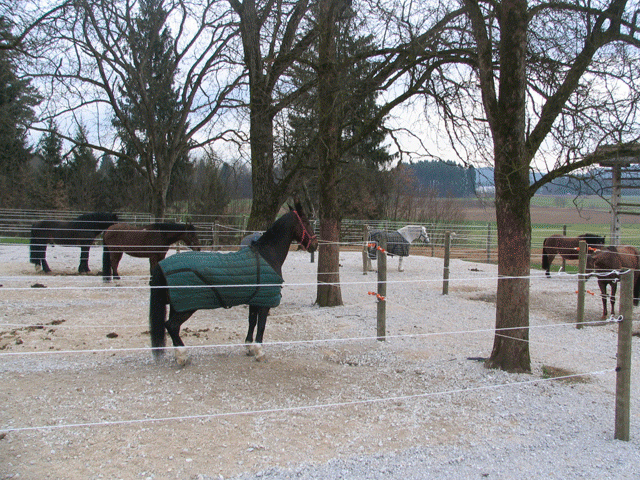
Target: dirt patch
{"points": [[83, 398]]}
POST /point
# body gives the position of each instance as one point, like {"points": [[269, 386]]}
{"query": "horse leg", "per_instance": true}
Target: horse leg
{"points": [[45, 265], [603, 294], [253, 321], [106, 264], [257, 315], [115, 261], [612, 298], [154, 260], [547, 259], [37, 253], [176, 319], [84, 260], [43, 260]]}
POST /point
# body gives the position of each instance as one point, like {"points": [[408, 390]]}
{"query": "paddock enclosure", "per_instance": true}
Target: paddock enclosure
{"points": [[82, 397]]}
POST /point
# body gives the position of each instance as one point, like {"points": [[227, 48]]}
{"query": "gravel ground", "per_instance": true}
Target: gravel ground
{"points": [[83, 399]]}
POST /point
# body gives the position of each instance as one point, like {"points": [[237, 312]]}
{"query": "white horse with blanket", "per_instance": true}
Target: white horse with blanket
{"points": [[398, 242]]}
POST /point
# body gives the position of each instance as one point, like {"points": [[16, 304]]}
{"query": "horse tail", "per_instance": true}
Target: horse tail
{"points": [[157, 311], [106, 264]]}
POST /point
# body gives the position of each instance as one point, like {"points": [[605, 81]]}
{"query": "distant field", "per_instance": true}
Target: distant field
{"points": [[550, 211], [550, 214]]}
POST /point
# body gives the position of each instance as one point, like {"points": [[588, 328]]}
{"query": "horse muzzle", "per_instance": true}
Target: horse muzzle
{"points": [[310, 244]]}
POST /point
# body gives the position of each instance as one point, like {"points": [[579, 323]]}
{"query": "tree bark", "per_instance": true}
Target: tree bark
{"points": [[269, 192], [511, 175], [266, 193], [159, 189], [329, 293], [511, 342]]}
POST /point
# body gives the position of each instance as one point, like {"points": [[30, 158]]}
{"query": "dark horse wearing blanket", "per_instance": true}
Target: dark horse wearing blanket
{"points": [[252, 276], [80, 232], [607, 264], [567, 247], [151, 241]]}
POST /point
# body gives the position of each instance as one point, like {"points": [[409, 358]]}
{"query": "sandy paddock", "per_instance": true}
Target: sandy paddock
{"points": [[82, 397]]}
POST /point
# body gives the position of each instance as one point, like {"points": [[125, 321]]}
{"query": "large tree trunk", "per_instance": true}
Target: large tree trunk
{"points": [[267, 196], [511, 344], [329, 293], [269, 192], [159, 189]]}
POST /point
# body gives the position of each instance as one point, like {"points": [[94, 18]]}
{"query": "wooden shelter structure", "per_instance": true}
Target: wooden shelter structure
{"points": [[624, 161]]}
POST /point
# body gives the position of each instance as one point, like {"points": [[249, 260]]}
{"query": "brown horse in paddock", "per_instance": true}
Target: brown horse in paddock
{"points": [[567, 247], [607, 263], [151, 241]]}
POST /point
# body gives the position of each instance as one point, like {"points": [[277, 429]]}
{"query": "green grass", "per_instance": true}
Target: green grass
{"points": [[568, 201], [16, 240]]}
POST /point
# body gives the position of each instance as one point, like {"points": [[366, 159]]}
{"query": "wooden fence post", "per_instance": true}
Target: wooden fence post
{"points": [[313, 254], [564, 262], [488, 243], [366, 261], [447, 254], [215, 239], [382, 290], [582, 280], [623, 378]]}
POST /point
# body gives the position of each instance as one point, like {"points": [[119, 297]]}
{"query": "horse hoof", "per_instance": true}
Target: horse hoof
{"points": [[182, 356], [259, 353], [254, 350]]}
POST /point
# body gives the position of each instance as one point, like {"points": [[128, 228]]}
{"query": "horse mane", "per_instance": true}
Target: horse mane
{"points": [[170, 227], [94, 217], [592, 238], [273, 231]]}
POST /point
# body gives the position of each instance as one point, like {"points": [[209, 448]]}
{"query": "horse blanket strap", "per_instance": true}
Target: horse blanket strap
{"points": [[200, 280], [396, 243]]}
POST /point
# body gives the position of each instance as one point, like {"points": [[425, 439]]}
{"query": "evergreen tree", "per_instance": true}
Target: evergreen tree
{"points": [[47, 191], [209, 193], [81, 176], [109, 197], [447, 178], [363, 185], [151, 125], [17, 99]]}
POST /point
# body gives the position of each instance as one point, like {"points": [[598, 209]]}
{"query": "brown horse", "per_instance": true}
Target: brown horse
{"points": [[567, 247], [151, 241], [607, 264]]}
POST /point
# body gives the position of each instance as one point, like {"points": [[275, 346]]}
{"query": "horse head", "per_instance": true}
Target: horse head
{"points": [[303, 232], [191, 238], [604, 260], [424, 236]]}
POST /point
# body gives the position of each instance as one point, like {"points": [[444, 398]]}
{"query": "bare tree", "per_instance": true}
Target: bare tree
{"points": [[539, 86], [25, 17], [274, 36], [97, 60]]}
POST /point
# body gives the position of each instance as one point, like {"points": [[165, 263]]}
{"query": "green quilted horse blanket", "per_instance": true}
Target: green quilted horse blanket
{"points": [[199, 280]]}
